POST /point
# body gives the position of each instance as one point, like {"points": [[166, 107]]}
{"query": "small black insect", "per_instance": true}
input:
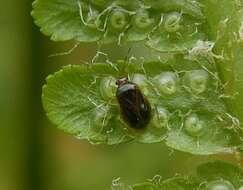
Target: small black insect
{"points": [[135, 108]]}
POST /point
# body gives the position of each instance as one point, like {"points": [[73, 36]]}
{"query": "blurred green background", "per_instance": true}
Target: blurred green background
{"points": [[33, 153]]}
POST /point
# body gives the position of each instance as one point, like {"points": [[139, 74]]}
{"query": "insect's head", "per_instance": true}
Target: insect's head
{"points": [[121, 81]]}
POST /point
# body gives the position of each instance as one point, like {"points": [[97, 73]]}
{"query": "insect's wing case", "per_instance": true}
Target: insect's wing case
{"points": [[135, 108]]}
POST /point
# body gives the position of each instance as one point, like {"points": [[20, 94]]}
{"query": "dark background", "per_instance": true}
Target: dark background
{"points": [[33, 153]]}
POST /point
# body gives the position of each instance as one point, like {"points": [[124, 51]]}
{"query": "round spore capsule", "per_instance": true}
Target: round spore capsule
{"points": [[160, 117], [172, 22], [134, 106], [166, 83], [197, 80], [194, 126], [142, 19], [108, 88], [141, 81], [219, 185], [118, 20]]}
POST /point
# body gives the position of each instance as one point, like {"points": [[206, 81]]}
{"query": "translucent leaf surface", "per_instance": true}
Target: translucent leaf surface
{"points": [[187, 111], [122, 21]]}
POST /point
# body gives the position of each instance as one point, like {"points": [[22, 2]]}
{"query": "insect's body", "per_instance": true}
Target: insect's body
{"points": [[135, 108]]}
